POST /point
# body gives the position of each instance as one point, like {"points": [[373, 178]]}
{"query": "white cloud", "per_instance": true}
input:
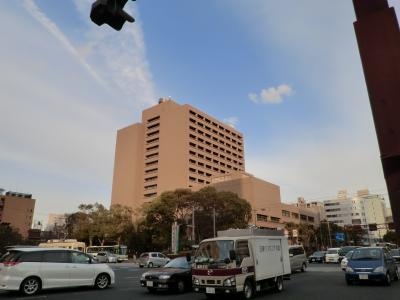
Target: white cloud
{"points": [[63, 102], [231, 121], [318, 169], [272, 95]]}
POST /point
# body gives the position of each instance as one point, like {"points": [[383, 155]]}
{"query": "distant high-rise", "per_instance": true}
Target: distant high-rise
{"points": [[175, 146]]}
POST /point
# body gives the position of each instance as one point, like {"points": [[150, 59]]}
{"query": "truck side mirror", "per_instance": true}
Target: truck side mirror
{"points": [[232, 255]]}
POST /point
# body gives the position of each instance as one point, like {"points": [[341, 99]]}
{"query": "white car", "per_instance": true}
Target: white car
{"points": [[332, 255], [30, 270], [345, 259]]}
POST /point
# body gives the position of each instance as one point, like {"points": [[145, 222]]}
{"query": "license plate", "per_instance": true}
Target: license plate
{"points": [[210, 290], [149, 283], [363, 276]]}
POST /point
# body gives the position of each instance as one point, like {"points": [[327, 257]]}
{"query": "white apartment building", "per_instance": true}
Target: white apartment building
{"points": [[363, 209]]}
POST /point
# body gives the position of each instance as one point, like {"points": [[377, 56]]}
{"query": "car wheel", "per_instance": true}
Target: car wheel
{"points": [[180, 286], [279, 284], [140, 266], [102, 281], [248, 290], [30, 286], [303, 268], [150, 265], [387, 280], [151, 290], [396, 274]]}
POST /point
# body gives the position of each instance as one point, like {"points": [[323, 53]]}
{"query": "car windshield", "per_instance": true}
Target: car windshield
{"points": [[318, 253], [395, 252], [367, 254], [332, 252], [216, 251], [349, 254], [178, 263]]}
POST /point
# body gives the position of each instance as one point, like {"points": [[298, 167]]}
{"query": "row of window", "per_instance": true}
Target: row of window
{"points": [[214, 161], [214, 124], [198, 180], [212, 138]]}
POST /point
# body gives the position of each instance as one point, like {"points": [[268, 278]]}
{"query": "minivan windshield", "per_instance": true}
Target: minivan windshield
{"points": [[367, 254], [216, 251]]}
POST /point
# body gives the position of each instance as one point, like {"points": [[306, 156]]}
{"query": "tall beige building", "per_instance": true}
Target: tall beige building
{"points": [[175, 146]]}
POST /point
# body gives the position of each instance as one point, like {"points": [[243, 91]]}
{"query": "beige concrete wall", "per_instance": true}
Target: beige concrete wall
{"points": [[264, 198], [18, 211], [173, 145], [128, 166]]}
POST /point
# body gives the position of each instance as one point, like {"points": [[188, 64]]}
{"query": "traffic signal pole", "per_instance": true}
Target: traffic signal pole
{"points": [[378, 37]]}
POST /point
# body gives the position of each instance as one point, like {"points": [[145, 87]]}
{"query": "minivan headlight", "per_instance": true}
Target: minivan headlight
{"points": [[164, 277], [379, 269], [350, 270]]}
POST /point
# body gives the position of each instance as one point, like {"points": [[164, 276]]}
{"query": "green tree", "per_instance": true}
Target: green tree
{"points": [[8, 236], [390, 237], [95, 224], [177, 206]]}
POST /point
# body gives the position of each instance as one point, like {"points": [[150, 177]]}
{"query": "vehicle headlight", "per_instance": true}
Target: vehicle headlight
{"points": [[143, 276], [196, 281], [379, 269], [164, 277], [350, 270], [230, 281]]}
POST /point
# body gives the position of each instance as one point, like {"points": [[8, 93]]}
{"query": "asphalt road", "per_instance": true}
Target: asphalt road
{"points": [[320, 281]]}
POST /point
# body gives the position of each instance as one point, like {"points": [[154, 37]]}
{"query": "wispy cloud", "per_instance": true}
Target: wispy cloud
{"points": [[34, 10], [119, 56], [231, 121], [271, 95]]}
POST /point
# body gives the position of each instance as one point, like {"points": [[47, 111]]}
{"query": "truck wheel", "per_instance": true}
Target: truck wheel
{"points": [[279, 284], [248, 290]]}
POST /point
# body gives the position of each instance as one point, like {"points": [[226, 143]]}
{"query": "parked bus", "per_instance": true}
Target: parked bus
{"points": [[120, 250], [68, 243]]}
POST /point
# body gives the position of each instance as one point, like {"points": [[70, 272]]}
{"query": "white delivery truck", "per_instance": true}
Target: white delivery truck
{"points": [[241, 261]]}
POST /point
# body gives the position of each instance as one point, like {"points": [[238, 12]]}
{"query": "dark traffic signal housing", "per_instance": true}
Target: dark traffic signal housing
{"points": [[110, 12]]}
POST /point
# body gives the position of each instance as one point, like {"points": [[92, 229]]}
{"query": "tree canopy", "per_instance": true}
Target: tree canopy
{"points": [[181, 205]]}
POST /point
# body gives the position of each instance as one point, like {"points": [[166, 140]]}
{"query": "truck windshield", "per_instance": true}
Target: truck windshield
{"points": [[214, 251]]}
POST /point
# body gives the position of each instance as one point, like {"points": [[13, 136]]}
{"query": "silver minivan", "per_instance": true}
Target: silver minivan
{"points": [[30, 270], [152, 259], [298, 258]]}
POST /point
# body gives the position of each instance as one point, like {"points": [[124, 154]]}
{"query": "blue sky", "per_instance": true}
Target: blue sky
{"points": [[287, 74]]}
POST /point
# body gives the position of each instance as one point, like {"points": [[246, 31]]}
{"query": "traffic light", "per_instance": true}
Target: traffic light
{"points": [[372, 227], [110, 12]]}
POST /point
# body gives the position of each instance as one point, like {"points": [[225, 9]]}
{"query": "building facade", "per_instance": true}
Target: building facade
{"points": [[363, 209], [175, 146], [264, 197], [17, 210]]}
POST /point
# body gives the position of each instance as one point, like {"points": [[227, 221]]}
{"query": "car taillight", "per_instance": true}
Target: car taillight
{"points": [[11, 263]]}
